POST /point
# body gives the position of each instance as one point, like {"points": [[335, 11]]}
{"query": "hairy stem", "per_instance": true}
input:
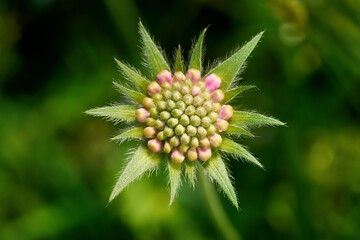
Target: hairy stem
{"points": [[218, 213]]}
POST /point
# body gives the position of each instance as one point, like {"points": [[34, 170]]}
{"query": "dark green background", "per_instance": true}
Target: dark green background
{"points": [[57, 165]]}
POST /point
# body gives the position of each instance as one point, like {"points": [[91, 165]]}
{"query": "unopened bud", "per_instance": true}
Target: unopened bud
{"points": [[157, 97], [204, 154], [222, 125], [226, 112], [161, 136], [216, 107], [195, 90], [150, 121], [153, 88], [179, 76], [176, 96], [201, 111], [205, 121], [201, 132], [185, 139], [168, 132], [164, 76], [184, 120], [213, 116], [174, 141], [192, 154], [215, 140], [176, 113], [149, 132], [191, 130], [181, 105], [148, 102], [177, 156], [185, 89], [141, 115], [195, 120], [166, 85], [159, 125], [194, 75], [211, 130], [161, 105], [164, 115], [167, 94], [172, 122], [167, 147], [198, 101], [154, 145], [154, 112], [217, 96], [176, 86], [204, 142], [188, 99], [190, 110], [179, 130], [201, 85], [170, 105], [183, 148], [194, 142], [208, 105], [206, 95], [188, 82], [212, 82]]}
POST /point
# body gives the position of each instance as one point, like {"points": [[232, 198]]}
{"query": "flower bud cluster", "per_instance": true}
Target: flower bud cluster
{"points": [[183, 115]]}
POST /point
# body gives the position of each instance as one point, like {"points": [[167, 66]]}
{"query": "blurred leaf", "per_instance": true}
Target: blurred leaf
{"points": [[143, 160], [241, 118], [179, 60], [155, 61], [174, 177], [228, 69], [134, 95], [233, 129], [232, 147], [130, 133], [229, 95], [121, 112], [196, 55], [133, 76], [190, 170], [216, 168]]}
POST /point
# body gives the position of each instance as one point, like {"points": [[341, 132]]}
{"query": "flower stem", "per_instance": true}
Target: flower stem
{"points": [[218, 213]]}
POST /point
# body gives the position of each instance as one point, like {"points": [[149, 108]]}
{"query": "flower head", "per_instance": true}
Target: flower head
{"points": [[184, 116]]}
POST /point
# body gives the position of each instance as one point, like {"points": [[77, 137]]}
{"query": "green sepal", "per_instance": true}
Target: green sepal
{"points": [[136, 132], [142, 161], [241, 118], [190, 170], [178, 60], [196, 55], [228, 69], [174, 177], [233, 129], [133, 76], [230, 94], [232, 147], [216, 168], [155, 61], [133, 95], [121, 112]]}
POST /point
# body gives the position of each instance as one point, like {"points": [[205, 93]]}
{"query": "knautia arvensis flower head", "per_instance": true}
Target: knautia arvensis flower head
{"points": [[183, 116]]}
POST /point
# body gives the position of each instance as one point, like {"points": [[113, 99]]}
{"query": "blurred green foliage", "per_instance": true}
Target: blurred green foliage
{"points": [[57, 165]]}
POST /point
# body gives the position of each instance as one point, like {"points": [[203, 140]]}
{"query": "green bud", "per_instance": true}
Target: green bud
{"points": [[185, 90], [216, 107], [161, 105], [148, 103], [205, 121], [150, 122], [167, 147], [208, 105], [213, 116], [170, 105], [211, 130], [180, 129], [149, 132], [154, 112], [176, 96], [172, 122], [159, 124], [176, 85], [204, 142], [206, 95], [192, 154], [174, 141], [166, 85], [198, 100], [185, 139], [194, 142], [167, 94], [157, 97], [201, 111], [184, 120], [191, 130], [168, 132], [201, 84], [164, 115], [181, 105], [176, 113], [201, 132], [190, 110], [195, 120], [161, 136], [188, 82], [183, 148], [188, 99]]}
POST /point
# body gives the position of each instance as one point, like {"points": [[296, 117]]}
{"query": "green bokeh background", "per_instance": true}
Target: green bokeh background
{"points": [[57, 165]]}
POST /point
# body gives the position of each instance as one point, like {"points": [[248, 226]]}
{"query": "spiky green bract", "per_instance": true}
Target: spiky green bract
{"points": [[174, 177], [134, 132], [229, 95], [178, 60], [233, 129], [232, 147], [153, 57], [196, 56], [241, 118], [228, 69], [190, 170], [216, 169], [133, 76], [121, 112], [142, 161], [133, 95]]}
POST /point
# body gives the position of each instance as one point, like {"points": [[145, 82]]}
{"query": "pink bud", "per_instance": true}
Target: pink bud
{"points": [[217, 96], [204, 154], [141, 115], [154, 145], [215, 140], [226, 112], [194, 75], [222, 125], [195, 90], [192, 154], [177, 156], [179, 76], [164, 76], [153, 88], [212, 82]]}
